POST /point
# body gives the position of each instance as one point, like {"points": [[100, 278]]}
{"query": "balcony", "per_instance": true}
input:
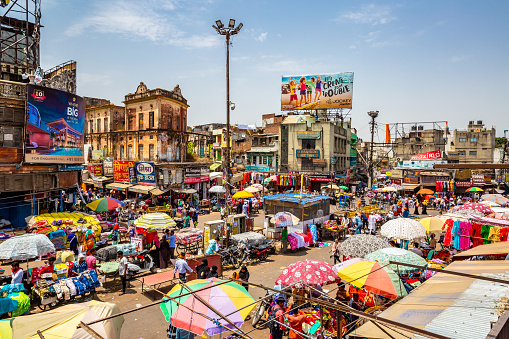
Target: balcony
{"points": [[13, 90]]}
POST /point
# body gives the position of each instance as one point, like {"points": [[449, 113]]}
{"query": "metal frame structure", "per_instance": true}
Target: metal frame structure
{"points": [[19, 38]]}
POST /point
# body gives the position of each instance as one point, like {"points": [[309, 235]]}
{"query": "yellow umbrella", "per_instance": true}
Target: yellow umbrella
{"points": [[242, 195], [432, 224]]}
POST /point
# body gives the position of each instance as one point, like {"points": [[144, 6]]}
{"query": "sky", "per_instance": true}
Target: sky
{"points": [[413, 60]]}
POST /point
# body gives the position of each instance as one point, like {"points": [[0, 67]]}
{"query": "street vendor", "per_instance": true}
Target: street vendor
{"points": [[80, 265], [49, 268], [213, 246], [72, 239], [17, 273], [89, 239], [276, 330], [284, 239]]}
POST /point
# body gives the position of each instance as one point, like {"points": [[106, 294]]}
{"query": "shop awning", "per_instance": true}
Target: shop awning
{"points": [[118, 186], [184, 190], [88, 181], [410, 187], [497, 248], [156, 191], [215, 175], [237, 177], [141, 189], [215, 166]]}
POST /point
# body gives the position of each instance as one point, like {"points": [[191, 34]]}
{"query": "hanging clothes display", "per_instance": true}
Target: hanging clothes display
{"points": [[444, 186], [475, 233], [504, 231], [485, 231], [494, 235], [448, 233], [456, 234], [464, 235]]}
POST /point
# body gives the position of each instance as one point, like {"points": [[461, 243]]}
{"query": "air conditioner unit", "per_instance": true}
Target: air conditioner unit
{"points": [[413, 128], [479, 122], [420, 128]]}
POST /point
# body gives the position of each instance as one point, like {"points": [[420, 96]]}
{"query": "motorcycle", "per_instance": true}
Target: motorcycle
{"points": [[140, 265], [228, 258], [260, 309], [259, 253], [180, 223]]}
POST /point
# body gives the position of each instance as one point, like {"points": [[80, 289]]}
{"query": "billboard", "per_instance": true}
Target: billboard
{"points": [[146, 173], [427, 156], [317, 91], [121, 170], [55, 126]]}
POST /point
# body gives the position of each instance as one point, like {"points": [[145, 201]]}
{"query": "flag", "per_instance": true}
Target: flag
{"points": [[387, 134]]}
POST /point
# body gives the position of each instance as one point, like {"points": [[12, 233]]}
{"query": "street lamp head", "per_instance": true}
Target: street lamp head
{"points": [[239, 27], [219, 24], [373, 114], [231, 24]]}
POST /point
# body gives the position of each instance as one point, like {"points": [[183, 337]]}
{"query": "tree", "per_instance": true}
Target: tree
{"points": [[500, 142]]}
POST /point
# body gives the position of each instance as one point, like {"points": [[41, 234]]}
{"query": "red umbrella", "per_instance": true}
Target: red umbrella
{"points": [[476, 206], [309, 272]]}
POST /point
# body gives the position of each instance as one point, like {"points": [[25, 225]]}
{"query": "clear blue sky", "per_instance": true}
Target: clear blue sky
{"points": [[413, 60]]}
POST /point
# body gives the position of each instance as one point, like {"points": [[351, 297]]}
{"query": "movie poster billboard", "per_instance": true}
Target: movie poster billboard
{"points": [[121, 170], [55, 126], [317, 91]]}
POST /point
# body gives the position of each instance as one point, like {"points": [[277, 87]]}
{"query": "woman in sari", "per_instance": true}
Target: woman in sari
{"points": [[89, 241]]}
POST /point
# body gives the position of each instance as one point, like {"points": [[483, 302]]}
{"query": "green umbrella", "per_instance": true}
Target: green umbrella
{"points": [[155, 221], [385, 255], [344, 188]]}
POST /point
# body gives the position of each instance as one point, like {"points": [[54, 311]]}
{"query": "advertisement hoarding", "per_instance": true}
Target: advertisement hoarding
{"points": [[55, 126], [145, 173], [121, 170], [95, 170], [317, 91], [428, 155]]}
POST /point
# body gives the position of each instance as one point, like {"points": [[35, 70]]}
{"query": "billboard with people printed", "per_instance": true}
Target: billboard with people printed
{"points": [[317, 91]]}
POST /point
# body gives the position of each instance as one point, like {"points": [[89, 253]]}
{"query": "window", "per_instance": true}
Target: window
{"points": [[106, 124], [151, 137], [130, 152], [151, 152], [471, 153], [308, 143], [130, 123], [122, 152], [91, 126], [150, 119], [140, 152], [11, 136], [114, 152], [473, 139], [306, 164], [140, 121], [98, 125], [463, 139], [462, 153]]}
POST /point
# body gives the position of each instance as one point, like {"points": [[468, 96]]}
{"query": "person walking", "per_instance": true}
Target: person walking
{"points": [[276, 330], [335, 251], [122, 270], [244, 276], [164, 248], [91, 261], [182, 267], [284, 239]]}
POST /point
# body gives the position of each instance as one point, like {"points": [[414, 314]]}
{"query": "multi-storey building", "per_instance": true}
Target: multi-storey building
{"points": [[476, 144], [417, 141]]}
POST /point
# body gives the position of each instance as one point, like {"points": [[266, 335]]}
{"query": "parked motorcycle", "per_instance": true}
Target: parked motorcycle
{"points": [[259, 253], [140, 265], [260, 309], [228, 258]]}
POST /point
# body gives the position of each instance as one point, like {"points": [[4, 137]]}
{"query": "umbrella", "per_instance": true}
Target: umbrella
{"points": [[433, 224], [474, 206], [358, 245], [474, 189], [372, 277], [489, 203], [389, 189], [105, 204], [252, 189], [269, 179], [227, 298], [344, 188], [259, 186], [308, 272], [155, 221], [496, 198], [332, 186], [242, 195], [282, 219], [403, 228], [26, 246], [217, 189], [62, 322], [425, 191], [385, 255]]}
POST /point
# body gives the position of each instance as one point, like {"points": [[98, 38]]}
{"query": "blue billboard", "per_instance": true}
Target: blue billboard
{"points": [[145, 173], [55, 126]]}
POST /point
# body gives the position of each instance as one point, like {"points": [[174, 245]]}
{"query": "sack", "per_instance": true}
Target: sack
{"points": [[272, 325]]}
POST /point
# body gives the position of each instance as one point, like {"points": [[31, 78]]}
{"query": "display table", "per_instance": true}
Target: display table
{"points": [[154, 281]]}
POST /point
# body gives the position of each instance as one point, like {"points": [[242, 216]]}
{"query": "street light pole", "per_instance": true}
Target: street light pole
{"points": [[227, 32], [373, 115]]}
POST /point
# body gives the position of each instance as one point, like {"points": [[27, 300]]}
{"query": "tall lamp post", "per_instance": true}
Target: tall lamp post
{"points": [[373, 115], [227, 32]]}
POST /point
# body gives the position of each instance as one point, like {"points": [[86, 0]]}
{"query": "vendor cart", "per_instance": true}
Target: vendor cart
{"points": [[189, 240]]}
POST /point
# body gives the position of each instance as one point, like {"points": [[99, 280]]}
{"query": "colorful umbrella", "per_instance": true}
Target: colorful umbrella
{"points": [[474, 206], [403, 228], [496, 198], [331, 186], [307, 272], [358, 245], [433, 224], [474, 189], [269, 179], [283, 219], [389, 189], [425, 191], [105, 204], [226, 298], [344, 188], [259, 186], [242, 195], [385, 255], [372, 277], [155, 221]]}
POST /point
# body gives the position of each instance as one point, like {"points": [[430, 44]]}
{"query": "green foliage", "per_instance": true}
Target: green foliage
{"points": [[500, 141]]}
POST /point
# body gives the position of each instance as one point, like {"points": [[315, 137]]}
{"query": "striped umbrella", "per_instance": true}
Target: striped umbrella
{"points": [[496, 198], [283, 219], [372, 277], [474, 189], [105, 204], [155, 221], [227, 298], [385, 255]]}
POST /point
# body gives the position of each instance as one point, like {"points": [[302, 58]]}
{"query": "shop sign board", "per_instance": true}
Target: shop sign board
{"points": [[463, 184], [308, 135], [197, 171], [138, 243], [194, 180], [330, 90], [433, 155], [121, 170], [319, 162], [132, 175], [478, 180], [264, 169], [55, 126], [108, 168], [97, 154], [396, 181], [145, 173], [308, 153], [95, 170], [71, 167]]}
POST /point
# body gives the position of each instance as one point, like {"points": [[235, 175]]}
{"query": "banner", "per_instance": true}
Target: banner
{"points": [[95, 170], [428, 156], [121, 170], [146, 173], [317, 91], [97, 154], [55, 126]]}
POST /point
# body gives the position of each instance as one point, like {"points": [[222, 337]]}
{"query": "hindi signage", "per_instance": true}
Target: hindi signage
{"points": [[121, 170], [308, 153], [145, 173], [95, 170]]}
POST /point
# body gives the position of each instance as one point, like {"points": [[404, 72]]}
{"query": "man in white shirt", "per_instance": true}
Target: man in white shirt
{"points": [[17, 273], [372, 224], [181, 267], [122, 270]]}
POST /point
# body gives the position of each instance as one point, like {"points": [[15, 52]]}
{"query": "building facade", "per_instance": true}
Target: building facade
{"points": [[263, 154], [417, 141], [476, 144]]}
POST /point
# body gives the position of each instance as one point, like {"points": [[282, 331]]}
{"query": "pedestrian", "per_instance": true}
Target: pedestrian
{"points": [[416, 211], [417, 250], [181, 267], [213, 246], [364, 219], [406, 213], [16, 273], [91, 261], [154, 250], [173, 240], [122, 270], [432, 241], [72, 239], [213, 272], [357, 223], [276, 330], [164, 248], [356, 304], [244, 276], [372, 224], [203, 270], [114, 234], [80, 265], [284, 239], [335, 251], [424, 207]]}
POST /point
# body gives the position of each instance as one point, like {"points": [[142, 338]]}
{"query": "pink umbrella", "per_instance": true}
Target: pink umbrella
{"points": [[477, 207], [309, 272]]}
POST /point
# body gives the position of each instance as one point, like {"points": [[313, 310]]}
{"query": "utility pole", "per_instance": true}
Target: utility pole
{"points": [[373, 115]]}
